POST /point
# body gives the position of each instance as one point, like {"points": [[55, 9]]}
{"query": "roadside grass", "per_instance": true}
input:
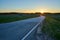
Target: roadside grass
{"points": [[52, 27], [11, 18]]}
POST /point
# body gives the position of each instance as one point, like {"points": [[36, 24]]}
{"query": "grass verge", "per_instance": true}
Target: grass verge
{"points": [[52, 27]]}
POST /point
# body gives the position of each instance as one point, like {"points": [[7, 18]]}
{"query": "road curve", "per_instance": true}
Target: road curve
{"points": [[16, 30]]}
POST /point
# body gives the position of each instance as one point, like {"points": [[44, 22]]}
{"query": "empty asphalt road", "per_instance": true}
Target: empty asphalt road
{"points": [[16, 30]]}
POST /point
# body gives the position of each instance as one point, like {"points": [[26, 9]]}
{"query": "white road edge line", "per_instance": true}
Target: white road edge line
{"points": [[30, 32]]}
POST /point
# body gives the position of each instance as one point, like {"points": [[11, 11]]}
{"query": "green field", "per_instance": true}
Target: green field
{"points": [[51, 26], [4, 18]]}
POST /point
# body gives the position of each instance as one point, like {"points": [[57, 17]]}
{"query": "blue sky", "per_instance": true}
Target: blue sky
{"points": [[14, 5]]}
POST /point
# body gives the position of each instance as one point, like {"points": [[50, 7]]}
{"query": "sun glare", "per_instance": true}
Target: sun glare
{"points": [[42, 12]]}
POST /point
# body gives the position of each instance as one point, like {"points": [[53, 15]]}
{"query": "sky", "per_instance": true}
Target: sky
{"points": [[29, 5]]}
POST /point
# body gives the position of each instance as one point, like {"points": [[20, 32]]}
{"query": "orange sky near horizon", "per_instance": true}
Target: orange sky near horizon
{"points": [[31, 11]]}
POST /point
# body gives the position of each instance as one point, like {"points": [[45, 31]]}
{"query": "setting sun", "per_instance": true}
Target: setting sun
{"points": [[42, 12]]}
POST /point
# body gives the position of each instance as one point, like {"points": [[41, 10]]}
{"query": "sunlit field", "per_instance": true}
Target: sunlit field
{"points": [[51, 27], [10, 17]]}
